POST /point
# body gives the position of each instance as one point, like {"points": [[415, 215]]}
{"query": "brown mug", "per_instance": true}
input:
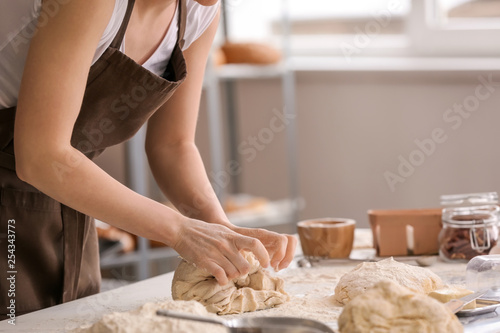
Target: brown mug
{"points": [[327, 237]]}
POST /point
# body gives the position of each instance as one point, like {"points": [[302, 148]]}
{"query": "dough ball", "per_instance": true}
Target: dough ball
{"points": [[367, 274], [254, 291], [145, 319], [390, 307]]}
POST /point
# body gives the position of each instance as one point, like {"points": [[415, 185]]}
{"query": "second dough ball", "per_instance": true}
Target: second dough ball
{"points": [[367, 274], [391, 308], [256, 290]]}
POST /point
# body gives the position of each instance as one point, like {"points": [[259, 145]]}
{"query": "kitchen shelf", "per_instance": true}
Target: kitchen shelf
{"points": [[246, 71], [124, 259], [273, 214], [392, 64]]}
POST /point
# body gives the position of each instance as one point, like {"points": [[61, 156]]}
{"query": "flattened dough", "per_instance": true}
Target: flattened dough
{"points": [[451, 292], [390, 307], [367, 274], [255, 291]]}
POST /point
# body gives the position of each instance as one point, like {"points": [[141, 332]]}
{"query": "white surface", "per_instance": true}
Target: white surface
{"points": [[68, 316]]}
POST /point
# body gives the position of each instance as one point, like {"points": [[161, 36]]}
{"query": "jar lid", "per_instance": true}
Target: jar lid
{"points": [[471, 215], [469, 199]]}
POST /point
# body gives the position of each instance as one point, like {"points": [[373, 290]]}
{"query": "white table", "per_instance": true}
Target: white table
{"points": [[68, 316]]}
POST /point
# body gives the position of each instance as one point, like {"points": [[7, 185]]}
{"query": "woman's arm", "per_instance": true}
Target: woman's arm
{"points": [[51, 94], [172, 153], [176, 162], [50, 98]]}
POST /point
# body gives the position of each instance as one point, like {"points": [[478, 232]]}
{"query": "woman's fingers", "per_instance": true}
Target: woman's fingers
{"points": [[280, 251], [217, 249], [256, 247], [240, 264], [233, 262], [221, 248], [281, 248], [290, 252], [217, 271]]}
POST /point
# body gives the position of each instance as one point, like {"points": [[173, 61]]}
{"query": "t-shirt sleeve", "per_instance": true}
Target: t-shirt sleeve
{"points": [[112, 28], [199, 19]]}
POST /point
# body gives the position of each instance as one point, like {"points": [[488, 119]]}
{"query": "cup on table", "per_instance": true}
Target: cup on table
{"points": [[328, 237]]}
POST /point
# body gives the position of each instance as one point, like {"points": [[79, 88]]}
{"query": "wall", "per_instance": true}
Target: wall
{"points": [[354, 127]]}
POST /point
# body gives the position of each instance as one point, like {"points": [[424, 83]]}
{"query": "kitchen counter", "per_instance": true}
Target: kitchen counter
{"points": [[68, 316], [310, 288]]}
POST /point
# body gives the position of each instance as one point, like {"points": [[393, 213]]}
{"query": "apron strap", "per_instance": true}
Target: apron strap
{"points": [[182, 23], [7, 161], [123, 28], [7, 118]]}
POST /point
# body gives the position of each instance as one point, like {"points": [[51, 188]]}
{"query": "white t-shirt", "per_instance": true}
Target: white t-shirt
{"points": [[18, 19]]}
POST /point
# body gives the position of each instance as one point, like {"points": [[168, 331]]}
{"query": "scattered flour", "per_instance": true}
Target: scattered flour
{"points": [[310, 290], [144, 319]]}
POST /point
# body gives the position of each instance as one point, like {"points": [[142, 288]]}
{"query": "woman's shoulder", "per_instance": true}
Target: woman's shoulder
{"points": [[199, 18], [112, 28], [18, 20], [15, 15]]}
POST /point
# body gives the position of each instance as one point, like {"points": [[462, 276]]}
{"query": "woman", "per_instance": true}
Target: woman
{"points": [[93, 71]]}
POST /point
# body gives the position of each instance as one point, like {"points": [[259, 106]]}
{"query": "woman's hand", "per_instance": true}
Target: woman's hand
{"points": [[217, 249], [281, 248]]}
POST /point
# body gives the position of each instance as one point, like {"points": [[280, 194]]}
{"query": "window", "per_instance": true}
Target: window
{"points": [[455, 27], [471, 12], [371, 27]]}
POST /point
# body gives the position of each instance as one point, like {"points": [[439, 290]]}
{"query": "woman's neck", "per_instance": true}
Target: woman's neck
{"points": [[146, 8]]}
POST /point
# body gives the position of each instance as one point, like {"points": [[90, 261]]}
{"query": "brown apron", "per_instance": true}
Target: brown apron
{"points": [[56, 250]]}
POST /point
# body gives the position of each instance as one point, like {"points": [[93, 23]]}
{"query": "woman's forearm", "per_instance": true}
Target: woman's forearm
{"points": [[181, 175], [83, 186], [72, 179]]}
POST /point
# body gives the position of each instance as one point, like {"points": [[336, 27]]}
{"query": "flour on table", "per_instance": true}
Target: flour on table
{"points": [[145, 319], [310, 291]]}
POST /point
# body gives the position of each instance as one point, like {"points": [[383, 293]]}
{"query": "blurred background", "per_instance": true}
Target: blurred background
{"points": [[327, 108]]}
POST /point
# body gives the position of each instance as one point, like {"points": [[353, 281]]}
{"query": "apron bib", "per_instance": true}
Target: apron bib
{"points": [[56, 248]]}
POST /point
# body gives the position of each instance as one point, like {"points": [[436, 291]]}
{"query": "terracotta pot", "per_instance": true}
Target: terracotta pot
{"points": [[405, 232]]}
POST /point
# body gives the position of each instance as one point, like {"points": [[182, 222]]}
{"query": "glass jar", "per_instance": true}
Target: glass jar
{"points": [[484, 272], [468, 230]]}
